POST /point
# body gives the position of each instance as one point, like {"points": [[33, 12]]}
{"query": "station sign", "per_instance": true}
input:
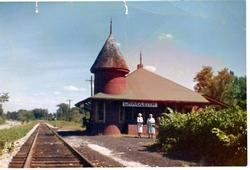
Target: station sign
{"points": [[139, 104]]}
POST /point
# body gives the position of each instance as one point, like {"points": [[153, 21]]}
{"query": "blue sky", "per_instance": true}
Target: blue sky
{"points": [[45, 58]]}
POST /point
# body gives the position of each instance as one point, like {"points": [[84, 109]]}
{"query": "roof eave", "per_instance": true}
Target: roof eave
{"points": [[124, 70], [150, 100]]}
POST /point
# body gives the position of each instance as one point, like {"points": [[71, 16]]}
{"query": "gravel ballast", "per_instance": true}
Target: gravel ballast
{"points": [[125, 150]]}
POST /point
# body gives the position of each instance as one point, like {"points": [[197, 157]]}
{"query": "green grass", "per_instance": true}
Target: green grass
{"points": [[66, 125], [10, 135]]}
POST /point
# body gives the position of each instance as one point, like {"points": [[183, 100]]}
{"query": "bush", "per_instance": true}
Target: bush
{"points": [[218, 137]]}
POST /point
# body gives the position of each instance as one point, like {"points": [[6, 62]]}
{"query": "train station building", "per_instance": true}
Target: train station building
{"points": [[119, 95]]}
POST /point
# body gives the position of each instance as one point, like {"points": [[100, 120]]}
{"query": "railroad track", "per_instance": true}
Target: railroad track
{"points": [[46, 149]]}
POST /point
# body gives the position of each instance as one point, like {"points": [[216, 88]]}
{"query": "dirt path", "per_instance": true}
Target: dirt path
{"points": [[128, 151]]}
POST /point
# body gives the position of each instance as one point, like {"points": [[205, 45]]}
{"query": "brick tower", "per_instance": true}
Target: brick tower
{"points": [[109, 68]]}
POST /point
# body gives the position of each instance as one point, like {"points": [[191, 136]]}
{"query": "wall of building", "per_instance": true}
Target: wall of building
{"points": [[111, 121], [110, 82], [114, 110]]}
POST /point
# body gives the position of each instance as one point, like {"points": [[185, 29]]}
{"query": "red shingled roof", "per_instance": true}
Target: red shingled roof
{"points": [[110, 57], [145, 85]]}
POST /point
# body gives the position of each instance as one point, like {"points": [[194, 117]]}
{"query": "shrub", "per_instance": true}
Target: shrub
{"points": [[218, 137]]}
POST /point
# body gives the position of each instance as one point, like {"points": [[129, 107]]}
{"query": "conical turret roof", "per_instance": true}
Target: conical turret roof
{"points": [[110, 57]]}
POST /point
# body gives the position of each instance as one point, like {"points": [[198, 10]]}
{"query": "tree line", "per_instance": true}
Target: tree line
{"points": [[62, 113], [223, 86]]}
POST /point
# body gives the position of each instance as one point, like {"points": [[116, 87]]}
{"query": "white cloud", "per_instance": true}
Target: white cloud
{"points": [[150, 68], [73, 88], [169, 35], [56, 93], [39, 94], [164, 36]]}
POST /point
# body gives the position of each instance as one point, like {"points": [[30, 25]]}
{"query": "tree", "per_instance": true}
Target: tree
{"points": [[239, 92], [24, 115], [4, 97], [75, 114], [204, 80], [62, 113], [224, 86], [223, 82], [12, 115], [40, 113], [51, 116]]}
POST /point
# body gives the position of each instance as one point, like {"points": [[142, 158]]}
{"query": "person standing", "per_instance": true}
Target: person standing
{"points": [[151, 126], [139, 125]]}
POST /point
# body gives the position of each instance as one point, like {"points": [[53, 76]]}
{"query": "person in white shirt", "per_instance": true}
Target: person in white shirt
{"points": [[139, 125], [151, 126]]}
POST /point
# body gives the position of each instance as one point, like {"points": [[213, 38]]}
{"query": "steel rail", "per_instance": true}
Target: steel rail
{"points": [[82, 158], [29, 157]]}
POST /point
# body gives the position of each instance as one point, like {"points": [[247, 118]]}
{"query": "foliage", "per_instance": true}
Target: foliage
{"points": [[219, 137], [204, 81], [8, 136], [27, 115], [40, 113], [24, 115], [239, 92], [12, 115], [4, 97], [62, 112], [224, 86], [75, 115]]}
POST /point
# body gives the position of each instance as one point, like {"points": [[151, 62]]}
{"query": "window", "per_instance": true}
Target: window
{"points": [[100, 111], [121, 114]]}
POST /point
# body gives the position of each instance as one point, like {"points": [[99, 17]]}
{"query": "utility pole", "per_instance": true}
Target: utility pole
{"points": [[91, 84], [69, 100]]}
